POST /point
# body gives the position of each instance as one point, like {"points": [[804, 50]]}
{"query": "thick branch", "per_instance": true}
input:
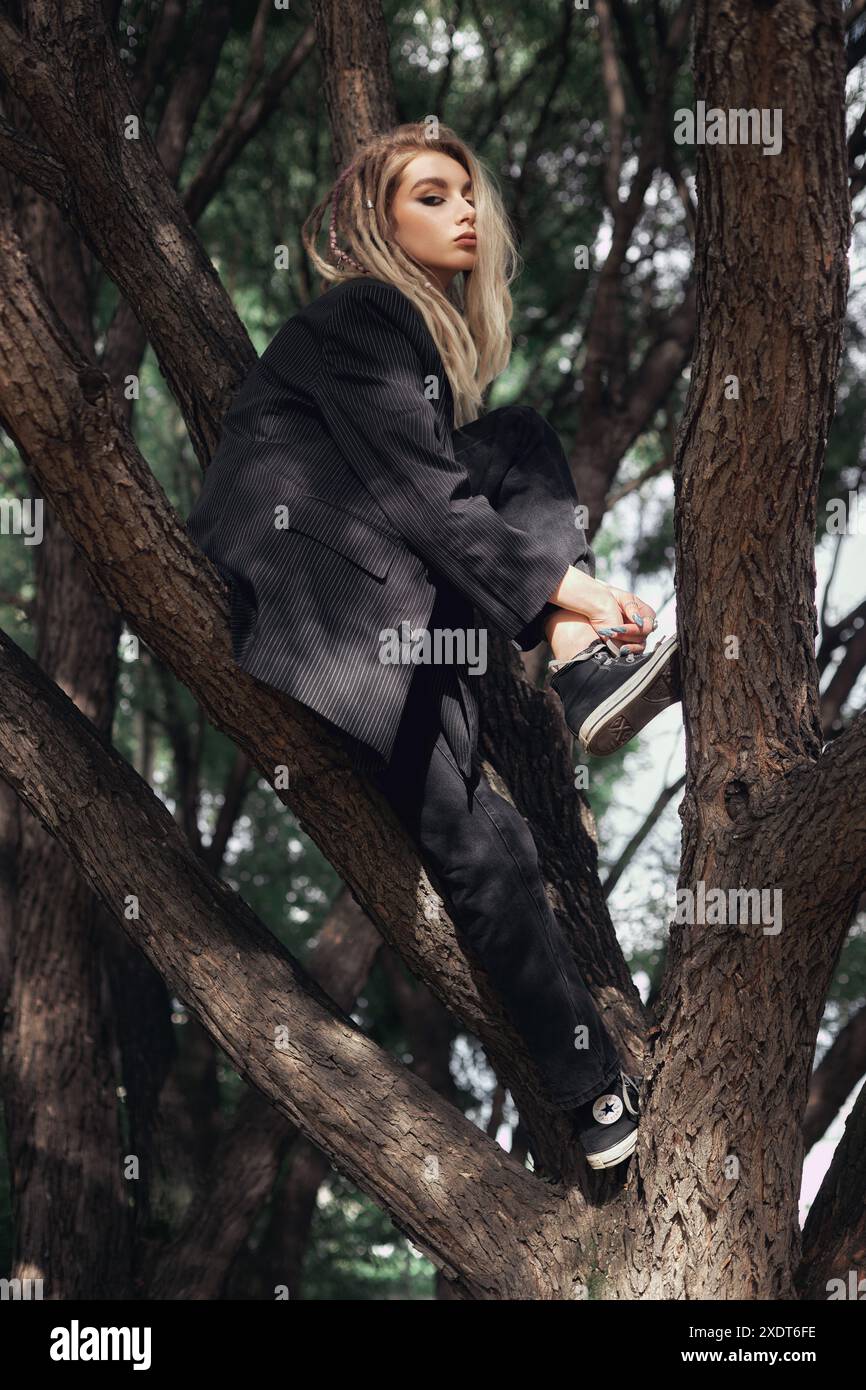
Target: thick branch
{"points": [[443, 1181], [816, 817], [356, 76]]}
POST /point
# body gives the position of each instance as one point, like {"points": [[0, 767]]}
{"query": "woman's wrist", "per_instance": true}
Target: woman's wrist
{"points": [[580, 592]]}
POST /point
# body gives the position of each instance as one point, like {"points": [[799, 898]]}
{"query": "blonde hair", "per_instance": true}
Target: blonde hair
{"points": [[469, 324]]}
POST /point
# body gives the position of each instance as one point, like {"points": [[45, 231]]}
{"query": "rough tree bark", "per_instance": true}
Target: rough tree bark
{"points": [[722, 1155]]}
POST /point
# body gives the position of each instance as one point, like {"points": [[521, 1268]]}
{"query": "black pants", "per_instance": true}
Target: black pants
{"points": [[481, 853]]}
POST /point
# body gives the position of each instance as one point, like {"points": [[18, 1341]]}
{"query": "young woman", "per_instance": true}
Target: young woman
{"points": [[359, 504]]}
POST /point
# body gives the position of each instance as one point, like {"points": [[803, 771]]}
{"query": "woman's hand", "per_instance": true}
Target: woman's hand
{"points": [[617, 608], [604, 606]]}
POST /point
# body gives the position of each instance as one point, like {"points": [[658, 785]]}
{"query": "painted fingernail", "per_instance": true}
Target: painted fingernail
{"points": [[604, 631], [619, 629], [638, 619]]}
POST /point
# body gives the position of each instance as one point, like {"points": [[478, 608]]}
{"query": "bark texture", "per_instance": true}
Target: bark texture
{"points": [[721, 1157]]}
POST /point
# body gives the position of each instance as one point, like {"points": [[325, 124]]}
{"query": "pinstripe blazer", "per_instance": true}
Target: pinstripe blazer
{"points": [[335, 509]]}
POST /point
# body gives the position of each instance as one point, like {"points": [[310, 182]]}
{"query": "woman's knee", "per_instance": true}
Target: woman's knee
{"points": [[522, 419]]}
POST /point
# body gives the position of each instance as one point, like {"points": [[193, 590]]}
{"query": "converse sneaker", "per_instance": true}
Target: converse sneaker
{"points": [[608, 699], [607, 1126]]}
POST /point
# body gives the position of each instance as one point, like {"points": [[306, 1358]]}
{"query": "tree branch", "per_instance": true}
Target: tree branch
{"points": [[279, 1029], [818, 810], [615, 105], [190, 88], [665, 795], [834, 1233], [242, 122], [33, 164], [841, 1067], [117, 192]]}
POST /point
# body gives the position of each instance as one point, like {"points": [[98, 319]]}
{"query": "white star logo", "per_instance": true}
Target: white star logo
{"points": [[607, 1109]]}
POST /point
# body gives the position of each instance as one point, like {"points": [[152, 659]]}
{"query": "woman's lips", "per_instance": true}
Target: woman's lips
{"points": [[468, 238]]}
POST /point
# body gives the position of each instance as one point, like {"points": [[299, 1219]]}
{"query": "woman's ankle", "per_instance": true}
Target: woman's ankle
{"points": [[569, 634]]}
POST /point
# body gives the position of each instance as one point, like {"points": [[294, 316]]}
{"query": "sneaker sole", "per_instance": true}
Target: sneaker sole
{"points": [[617, 1154], [622, 715]]}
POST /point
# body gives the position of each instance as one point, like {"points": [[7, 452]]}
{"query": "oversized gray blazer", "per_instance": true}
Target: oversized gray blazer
{"points": [[334, 507]]}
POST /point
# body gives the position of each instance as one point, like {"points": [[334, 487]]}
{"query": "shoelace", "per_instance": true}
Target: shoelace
{"points": [[600, 649], [604, 651], [626, 1082]]}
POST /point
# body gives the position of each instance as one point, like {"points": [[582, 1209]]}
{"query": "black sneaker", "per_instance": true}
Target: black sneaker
{"points": [[607, 1126], [608, 699]]}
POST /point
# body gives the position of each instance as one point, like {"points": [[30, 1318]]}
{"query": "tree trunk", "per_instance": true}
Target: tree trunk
{"points": [[722, 1154]]}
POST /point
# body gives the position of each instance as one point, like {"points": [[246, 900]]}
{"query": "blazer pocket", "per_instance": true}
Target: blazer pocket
{"points": [[352, 537]]}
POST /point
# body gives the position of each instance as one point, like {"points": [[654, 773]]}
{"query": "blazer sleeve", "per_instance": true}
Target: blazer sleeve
{"points": [[370, 392]]}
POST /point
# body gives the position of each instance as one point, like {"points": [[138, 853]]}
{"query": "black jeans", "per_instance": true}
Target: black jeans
{"points": [[480, 852]]}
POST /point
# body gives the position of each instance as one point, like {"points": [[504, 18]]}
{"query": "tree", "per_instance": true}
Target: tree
{"points": [[721, 1143]]}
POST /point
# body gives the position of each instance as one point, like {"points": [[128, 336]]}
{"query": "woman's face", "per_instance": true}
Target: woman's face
{"points": [[432, 210]]}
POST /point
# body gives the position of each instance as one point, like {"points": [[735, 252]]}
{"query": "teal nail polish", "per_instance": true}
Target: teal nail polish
{"points": [[619, 629], [604, 631], [638, 619]]}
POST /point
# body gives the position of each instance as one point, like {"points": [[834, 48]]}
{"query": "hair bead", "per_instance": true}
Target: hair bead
{"points": [[339, 254]]}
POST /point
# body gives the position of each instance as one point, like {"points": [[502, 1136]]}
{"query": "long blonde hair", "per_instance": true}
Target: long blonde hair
{"points": [[469, 324]]}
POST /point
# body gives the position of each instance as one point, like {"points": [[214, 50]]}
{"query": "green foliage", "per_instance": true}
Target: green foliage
{"points": [[356, 1252]]}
